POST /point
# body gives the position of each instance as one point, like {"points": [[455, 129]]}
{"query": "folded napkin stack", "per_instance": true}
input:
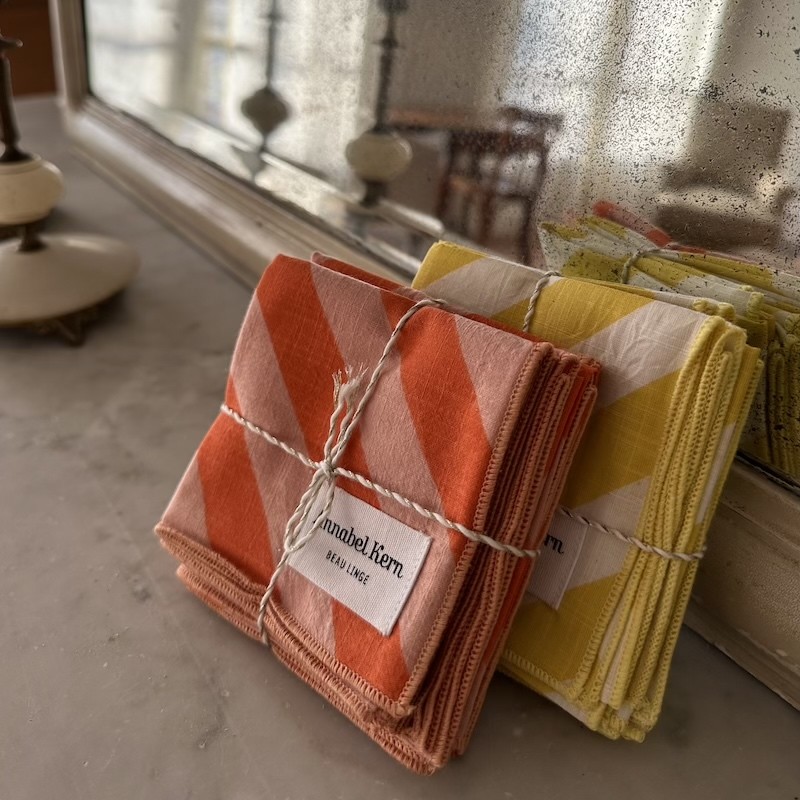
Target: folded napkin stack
{"points": [[370, 499], [598, 626], [615, 245]]}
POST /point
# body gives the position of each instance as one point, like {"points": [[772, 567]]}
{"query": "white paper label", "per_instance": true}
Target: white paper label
{"points": [[364, 558], [557, 560]]}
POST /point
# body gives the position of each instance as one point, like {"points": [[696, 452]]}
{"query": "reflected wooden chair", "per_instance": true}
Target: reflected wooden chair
{"points": [[501, 163]]}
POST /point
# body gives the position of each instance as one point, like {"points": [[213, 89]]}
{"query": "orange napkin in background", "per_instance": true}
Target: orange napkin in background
{"points": [[391, 609]]}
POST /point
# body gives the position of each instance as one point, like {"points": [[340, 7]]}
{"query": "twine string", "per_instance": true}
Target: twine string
{"points": [[474, 536], [324, 476], [625, 274], [537, 290], [344, 419], [341, 472], [630, 262]]}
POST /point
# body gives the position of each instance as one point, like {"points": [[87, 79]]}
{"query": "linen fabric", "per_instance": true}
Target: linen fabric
{"points": [[676, 387], [469, 420], [766, 304]]}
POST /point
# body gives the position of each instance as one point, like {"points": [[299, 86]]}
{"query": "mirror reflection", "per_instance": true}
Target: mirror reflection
{"points": [[400, 122]]}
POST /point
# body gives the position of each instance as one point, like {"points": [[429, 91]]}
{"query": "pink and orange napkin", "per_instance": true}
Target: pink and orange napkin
{"points": [[403, 534]]}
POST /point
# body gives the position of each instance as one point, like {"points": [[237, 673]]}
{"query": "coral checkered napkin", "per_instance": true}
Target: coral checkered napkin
{"points": [[395, 619], [676, 388]]}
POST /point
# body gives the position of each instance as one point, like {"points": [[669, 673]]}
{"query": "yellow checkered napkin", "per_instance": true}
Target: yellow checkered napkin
{"points": [[597, 630]]}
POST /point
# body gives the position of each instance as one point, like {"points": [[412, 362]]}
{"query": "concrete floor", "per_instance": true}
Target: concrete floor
{"points": [[116, 683]]}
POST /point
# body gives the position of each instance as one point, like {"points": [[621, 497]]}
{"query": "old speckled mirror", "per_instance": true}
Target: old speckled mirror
{"points": [[397, 122]]}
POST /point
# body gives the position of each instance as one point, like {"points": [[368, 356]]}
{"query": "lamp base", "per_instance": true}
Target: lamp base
{"points": [[58, 287], [71, 327]]}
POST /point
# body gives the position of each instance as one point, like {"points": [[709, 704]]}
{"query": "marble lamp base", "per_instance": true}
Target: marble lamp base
{"points": [[58, 284]]}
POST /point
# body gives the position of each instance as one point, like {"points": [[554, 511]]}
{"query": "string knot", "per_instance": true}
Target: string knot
{"points": [[327, 469]]}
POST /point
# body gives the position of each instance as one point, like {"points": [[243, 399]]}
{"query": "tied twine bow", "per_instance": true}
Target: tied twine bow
{"points": [[344, 419]]}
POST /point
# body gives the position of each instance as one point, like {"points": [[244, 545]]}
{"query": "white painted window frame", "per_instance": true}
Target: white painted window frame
{"points": [[747, 597]]}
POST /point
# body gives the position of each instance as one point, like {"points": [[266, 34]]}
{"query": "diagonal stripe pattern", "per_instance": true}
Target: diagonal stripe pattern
{"points": [[677, 384], [469, 420]]}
